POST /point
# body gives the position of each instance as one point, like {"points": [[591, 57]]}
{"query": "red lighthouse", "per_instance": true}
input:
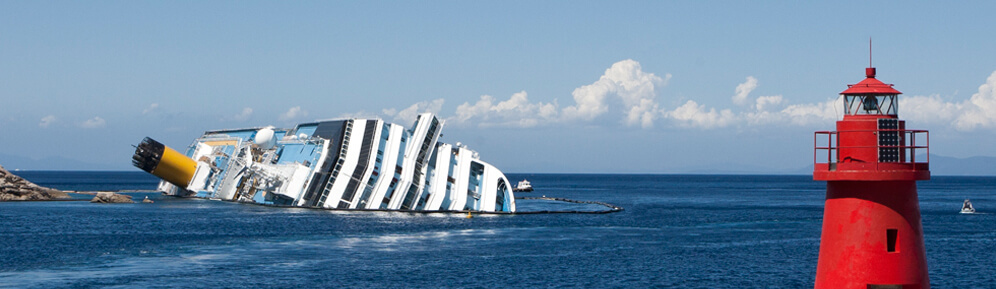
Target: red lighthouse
{"points": [[872, 236]]}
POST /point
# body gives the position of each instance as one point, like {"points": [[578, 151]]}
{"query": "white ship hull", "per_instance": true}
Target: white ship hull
{"points": [[336, 164]]}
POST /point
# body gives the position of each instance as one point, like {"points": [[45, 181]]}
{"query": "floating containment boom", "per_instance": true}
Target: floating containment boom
{"points": [[363, 164]]}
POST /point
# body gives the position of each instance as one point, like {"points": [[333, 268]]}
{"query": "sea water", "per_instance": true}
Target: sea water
{"points": [[677, 231]]}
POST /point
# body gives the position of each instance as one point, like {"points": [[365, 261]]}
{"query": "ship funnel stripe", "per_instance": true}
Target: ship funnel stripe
{"points": [[168, 164], [148, 154]]}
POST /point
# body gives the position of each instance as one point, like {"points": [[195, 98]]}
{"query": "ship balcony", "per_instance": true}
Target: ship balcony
{"points": [[898, 154]]}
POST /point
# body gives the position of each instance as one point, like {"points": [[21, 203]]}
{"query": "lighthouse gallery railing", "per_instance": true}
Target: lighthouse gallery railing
{"points": [[909, 147]]}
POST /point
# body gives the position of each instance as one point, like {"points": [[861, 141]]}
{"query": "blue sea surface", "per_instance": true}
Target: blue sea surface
{"points": [[677, 231]]}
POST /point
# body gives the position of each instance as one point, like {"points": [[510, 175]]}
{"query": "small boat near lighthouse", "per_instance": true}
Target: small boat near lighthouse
{"points": [[967, 208]]}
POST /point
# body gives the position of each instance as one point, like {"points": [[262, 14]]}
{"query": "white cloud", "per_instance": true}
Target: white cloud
{"points": [[765, 102], [517, 111], [360, 114], [408, 115], [624, 84], [765, 110], [691, 114], [151, 108], [980, 110], [626, 91], [95, 122], [590, 102], [245, 114], [977, 112], [743, 90], [293, 113], [480, 109], [629, 83], [404, 116], [814, 113], [47, 121], [643, 113], [929, 109]]}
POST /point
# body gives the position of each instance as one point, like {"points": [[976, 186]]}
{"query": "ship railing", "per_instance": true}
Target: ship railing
{"points": [[911, 144]]}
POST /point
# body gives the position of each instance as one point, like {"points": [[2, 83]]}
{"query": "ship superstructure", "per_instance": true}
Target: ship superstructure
{"points": [[351, 163]]}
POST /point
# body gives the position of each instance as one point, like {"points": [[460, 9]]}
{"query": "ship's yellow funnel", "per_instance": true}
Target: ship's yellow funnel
{"points": [[168, 164]]}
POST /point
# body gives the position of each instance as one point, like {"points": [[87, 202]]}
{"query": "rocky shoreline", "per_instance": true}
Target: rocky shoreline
{"points": [[15, 188]]}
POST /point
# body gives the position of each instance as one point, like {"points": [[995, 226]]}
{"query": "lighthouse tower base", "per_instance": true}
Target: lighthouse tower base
{"points": [[872, 237]]}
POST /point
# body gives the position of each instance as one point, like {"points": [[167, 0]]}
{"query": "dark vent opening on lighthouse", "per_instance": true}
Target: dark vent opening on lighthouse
{"points": [[891, 236]]}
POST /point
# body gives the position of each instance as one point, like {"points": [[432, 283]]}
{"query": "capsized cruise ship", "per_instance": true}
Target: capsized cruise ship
{"points": [[362, 164]]}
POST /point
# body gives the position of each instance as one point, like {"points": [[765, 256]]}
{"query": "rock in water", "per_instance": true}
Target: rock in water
{"points": [[14, 188], [111, 197], [147, 200]]}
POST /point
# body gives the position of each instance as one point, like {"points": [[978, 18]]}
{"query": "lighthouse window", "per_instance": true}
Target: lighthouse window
{"points": [[870, 104]]}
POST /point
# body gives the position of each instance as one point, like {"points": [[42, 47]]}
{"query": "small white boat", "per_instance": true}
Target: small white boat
{"points": [[523, 186], [966, 208]]}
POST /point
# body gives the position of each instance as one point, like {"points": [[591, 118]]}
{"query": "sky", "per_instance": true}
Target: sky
{"points": [[534, 86]]}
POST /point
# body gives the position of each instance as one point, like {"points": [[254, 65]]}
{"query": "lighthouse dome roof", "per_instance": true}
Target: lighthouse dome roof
{"points": [[870, 85]]}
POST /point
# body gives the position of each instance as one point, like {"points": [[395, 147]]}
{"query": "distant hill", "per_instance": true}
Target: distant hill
{"points": [[939, 166], [972, 166], [740, 169], [947, 166], [12, 162]]}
